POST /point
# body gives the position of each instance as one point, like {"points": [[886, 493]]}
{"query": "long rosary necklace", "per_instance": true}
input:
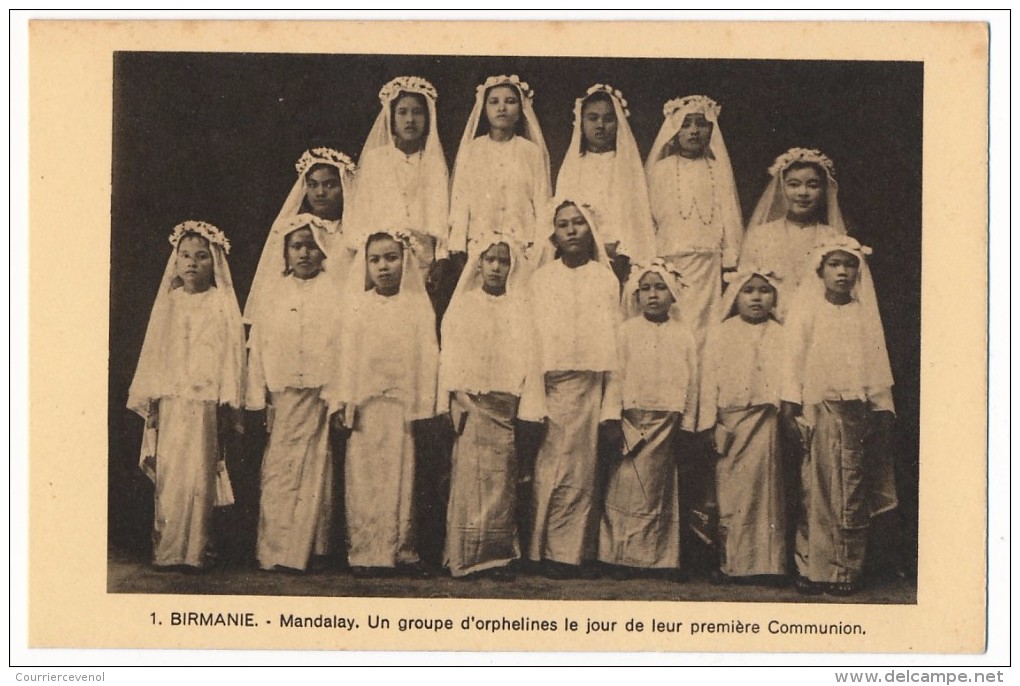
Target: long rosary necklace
{"points": [[695, 208]]}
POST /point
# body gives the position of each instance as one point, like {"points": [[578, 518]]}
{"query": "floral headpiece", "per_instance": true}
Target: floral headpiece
{"points": [[695, 103], [614, 92], [503, 80], [802, 155], [660, 267], [328, 156], [843, 243], [203, 229], [407, 84], [746, 272]]}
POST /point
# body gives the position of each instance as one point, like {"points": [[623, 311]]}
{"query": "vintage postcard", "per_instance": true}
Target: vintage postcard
{"points": [[352, 515]]}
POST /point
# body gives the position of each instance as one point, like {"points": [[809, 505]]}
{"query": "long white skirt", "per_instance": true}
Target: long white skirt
{"points": [[297, 481]]}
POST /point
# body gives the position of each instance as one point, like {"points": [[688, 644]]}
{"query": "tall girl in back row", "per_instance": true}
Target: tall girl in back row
{"points": [[501, 176]]}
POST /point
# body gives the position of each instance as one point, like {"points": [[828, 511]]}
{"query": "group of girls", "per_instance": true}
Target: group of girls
{"points": [[594, 322]]}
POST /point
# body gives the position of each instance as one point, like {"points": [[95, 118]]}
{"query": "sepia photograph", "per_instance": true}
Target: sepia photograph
{"points": [[465, 336]]}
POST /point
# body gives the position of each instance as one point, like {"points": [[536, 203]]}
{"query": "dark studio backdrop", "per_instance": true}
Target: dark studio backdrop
{"points": [[215, 137]]}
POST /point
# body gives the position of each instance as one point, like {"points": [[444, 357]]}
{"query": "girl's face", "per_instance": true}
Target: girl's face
{"points": [[323, 192], [803, 189], [755, 300], [385, 258], [694, 135], [410, 119], [839, 271], [571, 232], [304, 256], [598, 124], [495, 266], [195, 264], [503, 108], [653, 294]]}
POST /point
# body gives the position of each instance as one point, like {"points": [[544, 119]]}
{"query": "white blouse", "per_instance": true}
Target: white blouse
{"points": [[500, 187], [196, 367], [658, 367], [743, 366], [688, 210], [295, 343]]}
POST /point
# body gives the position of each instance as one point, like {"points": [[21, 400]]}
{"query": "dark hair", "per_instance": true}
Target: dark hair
{"points": [[305, 207], [826, 256], [804, 164], [421, 100], [380, 236], [591, 235], [597, 96], [286, 246], [483, 122]]}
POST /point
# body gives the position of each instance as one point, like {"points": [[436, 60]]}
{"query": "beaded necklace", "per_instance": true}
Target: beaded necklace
{"points": [[694, 200]]}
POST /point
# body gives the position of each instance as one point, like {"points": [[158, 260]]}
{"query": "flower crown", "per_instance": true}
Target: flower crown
{"points": [[203, 229], [692, 102], [802, 155], [659, 266], [614, 92], [408, 84], [843, 243], [328, 156], [299, 221], [503, 80], [746, 272]]}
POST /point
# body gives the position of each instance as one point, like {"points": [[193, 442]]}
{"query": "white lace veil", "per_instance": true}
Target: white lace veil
{"points": [[153, 379], [531, 130], [629, 200], [267, 270], [772, 204], [674, 112], [435, 176]]}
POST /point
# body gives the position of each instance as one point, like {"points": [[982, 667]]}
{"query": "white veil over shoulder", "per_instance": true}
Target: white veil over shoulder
{"points": [[266, 271], [772, 205], [628, 206], [155, 376], [736, 280], [532, 131], [674, 112], [373, 203]]}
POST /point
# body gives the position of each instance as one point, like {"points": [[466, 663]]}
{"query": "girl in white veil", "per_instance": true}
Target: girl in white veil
{"points": [[483, 363], [741, 381], [694, 203], [798, 210], [402, 179], [837, 393], [603, 169], [640, 529], [191, 369], [324, 182], [501, 176], [575, 312], [293, 353], [386, 381]]}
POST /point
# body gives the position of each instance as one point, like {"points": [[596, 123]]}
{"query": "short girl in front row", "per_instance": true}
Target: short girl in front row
{"points": [[640, 530], [386, 381], [837, 392], [293, 351], [189, 374], [740, 397], [484, 360]]}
